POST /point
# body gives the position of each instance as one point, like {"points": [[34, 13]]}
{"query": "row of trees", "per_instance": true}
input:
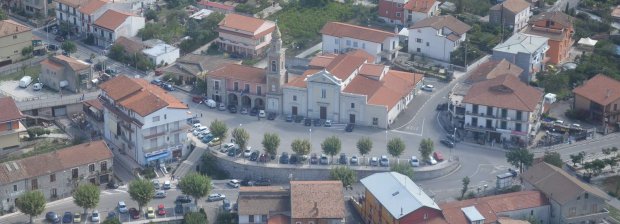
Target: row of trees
{"points": [[86, 196]]}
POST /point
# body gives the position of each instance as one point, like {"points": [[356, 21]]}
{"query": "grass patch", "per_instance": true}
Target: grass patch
{"points": [[32, 71], [613, 212]]}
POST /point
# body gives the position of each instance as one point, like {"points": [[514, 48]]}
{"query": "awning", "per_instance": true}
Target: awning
{"points": [[587, 42], [157, 156]]}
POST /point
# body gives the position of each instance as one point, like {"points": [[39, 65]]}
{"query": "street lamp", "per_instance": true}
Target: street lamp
{"points": [[454, 135], [310, 134]]}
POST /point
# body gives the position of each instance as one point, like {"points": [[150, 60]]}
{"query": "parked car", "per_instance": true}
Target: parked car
{"points": [[254, 156], [263, 158], [168, 87], [157, 82], [447, 143], [200, 129], [384, 161], [122, 207], [227, 146], [247, 152], [254, 112], [284, 158], [160, 194], [349, 127], [167, 185], [112, 185], [308, 122], [134, 213], [67, 217], [452, 138], [328, 123], [111, 215], [343, 159], [299, 118], [431, 161], [414, 161], [374, 161], [222, 107], [324, 160], [95, 217], [52, 47], [438, 156], [314, 159], [263, 182], [234, 183], [289, 118], [161, 210], [261, 113], [207, 138], [226, 205], [52, 217], [271, 116], [243, 110], [77, 217], [428, 87], [354, 160], [150, 213], [215, 197], [294, 159], [232, 109], [234, 151], [317, 122], [178, 209], [183, 199]]}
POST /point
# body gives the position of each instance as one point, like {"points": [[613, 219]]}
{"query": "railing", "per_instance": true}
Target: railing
{"points": [[479, 128], [147, 136], [578, 219], [506, 118], [245, 92]]}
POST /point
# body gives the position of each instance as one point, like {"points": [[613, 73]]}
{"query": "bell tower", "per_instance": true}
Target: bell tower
{"points": [[276, 72]]}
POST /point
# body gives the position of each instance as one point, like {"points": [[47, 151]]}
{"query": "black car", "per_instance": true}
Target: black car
{"points": [[447, 142], [183, 199], [254, 156], [294, 159], [254, 111], [246, 182], [232, 152], [318, 122], [178, 209], [343, 159], [349, 127], [263, 182], [284, 158], [167, 87], [271, 116], [52, 47], [289, 118], [314, 159], [299, 118], [232, 109], [452, 138], [67, 217], [52, 217], [112, 185], [156, 82], [308, 122]]}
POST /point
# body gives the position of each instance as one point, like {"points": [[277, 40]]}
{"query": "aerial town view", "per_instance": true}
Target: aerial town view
{"points": [[310, 111]]}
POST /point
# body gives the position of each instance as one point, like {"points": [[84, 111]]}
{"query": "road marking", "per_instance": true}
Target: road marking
{"points": [[407, 133], [412, 128]]}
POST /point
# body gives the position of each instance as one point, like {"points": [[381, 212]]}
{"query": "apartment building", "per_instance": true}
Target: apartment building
{"points": [[558, 27], [437, 37], [10, 123], [67, 73], [244, 36], [14, 37], [144, 121], [526, 51], [512, 15], [599, 97], [340, 38], [407, 12], [114, 24]]}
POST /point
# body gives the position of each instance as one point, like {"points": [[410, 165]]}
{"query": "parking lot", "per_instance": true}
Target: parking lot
{"points": [[11, 88]]}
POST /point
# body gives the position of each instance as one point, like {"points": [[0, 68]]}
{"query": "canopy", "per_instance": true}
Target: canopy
{"points": [[587, 42]]}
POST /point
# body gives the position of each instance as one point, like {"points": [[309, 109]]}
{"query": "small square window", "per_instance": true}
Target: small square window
{"points": [[352, 105], [294, 98], [428, 44], [91, 168], [52, 177], [156, 119], [375, 121], [418, 40]]}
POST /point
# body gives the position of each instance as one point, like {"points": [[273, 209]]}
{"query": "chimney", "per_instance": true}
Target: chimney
{"points": [[608, 93]]}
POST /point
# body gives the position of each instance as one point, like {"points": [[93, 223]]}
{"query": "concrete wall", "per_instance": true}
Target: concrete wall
{"points": [[431, 44], [241, 168]]}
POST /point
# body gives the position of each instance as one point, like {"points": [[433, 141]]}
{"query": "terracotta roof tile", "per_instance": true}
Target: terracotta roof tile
{"points": [[55, 161], [74, 3], [601, 89], [514, 6], [49, 64], [92, 6], [130, 44], [317, 199], [338, 29], [423, 6], [9, 110], [439, 22], [553, 35], [555, 16], [300, 81], [505, 91], [505, 220], [321, 61], [240, 72], [245, 23], [120, 87], [111, 19], [217, 5], [345, 64], [9, 27], [139, 95], [388, 91], [372, 70], [73, 63], [493, 69]]}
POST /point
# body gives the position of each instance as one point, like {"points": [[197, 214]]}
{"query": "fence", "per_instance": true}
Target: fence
{"points": [[15, 67], [53, 100]]}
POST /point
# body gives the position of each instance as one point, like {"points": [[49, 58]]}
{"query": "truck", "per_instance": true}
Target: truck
{"points": [[25, 81]]}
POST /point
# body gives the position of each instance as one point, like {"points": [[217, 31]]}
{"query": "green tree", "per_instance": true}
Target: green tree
{"points": [[31, 203], [520, 158], [27, 51], [117, 52], [86, 196], [612, 162], [396, 147], [426, 148], [271, 142], [241, 137], [577, 158], [331, 146], [301, 146], [111, 221], [344, 174], [553, 158], [219, 130], [598, 165], [227, 218], [194, 218], [151, 15], [195, 185], [465, 186], [69, 47], [141, 191], [404, 169], [364, 145]]}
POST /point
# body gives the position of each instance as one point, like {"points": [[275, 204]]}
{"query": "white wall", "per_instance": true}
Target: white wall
{"points": [[431, 43], [301, 101], [332, 44]]}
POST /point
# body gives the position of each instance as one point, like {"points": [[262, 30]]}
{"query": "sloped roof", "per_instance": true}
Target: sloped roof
{"points": [[339, 29], [111, 19], [521, 43], [515, 6], [245, 23], [74, 3], [73, 63], [241, 72], [317, 200], [139, 95], [321, 61], [419, 5], [493, 69], [555, 16], [343, 65], [9, 27], [439, 22], [263, 200], [601, 89], [372, 70], [62, 159], [217, 5], [505, 91], [9, 110], [92, 6], [397, 193], [557, 184], [130, 44]]}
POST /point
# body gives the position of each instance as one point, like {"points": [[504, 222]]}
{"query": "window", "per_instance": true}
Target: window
{"points": [[474, 109], [519, 115], [518, 127], [375, 121], [503, 125], [236, 86], [474, 121], [418, 50], [74, 173], [34, 183], [323, 93], [91, 168], [156, 119], [14, 187], [247, 88], [489, 110], [352, 105], [52, 177], [273, 66], [337, 41], [104, 165], [9, 125], [263, 218], [428, 44], [259, 90], [354, 43], [400, 5], [216, 85], [504, 113], [585, 196], [294, 98], [418, 40], [398, 14], [615, 106], [273, 88], [363, 45], [348, 43], [251, 218]]}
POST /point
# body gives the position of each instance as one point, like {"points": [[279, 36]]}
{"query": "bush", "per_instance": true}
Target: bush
{"points": [[208, 166], [148, 173], [36, 132], [581, 115], [514, 188]]}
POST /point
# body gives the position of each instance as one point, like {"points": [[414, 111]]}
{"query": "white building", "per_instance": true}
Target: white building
{"points": [[416, 10], [83, 14], [511, 14], [342, 37], [113, 24], [437, 37], [348, 88], [144, 121], [162, 54]]}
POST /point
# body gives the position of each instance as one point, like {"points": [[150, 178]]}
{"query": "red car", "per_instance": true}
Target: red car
{"points": [[134, 213], [161, 210], [438, 156]]}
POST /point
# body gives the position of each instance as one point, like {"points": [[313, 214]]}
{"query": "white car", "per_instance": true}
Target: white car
{"points": [[431, 160], [196, 125], [414, 161], [95, 216], [560, 122], [199, 130], [234, 183], [247, 152], [428, 87], [261, 113], [122, 207]]}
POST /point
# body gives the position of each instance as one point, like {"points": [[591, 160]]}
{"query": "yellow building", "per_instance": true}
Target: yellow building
{"points": [[10, 127], [13, 38]]}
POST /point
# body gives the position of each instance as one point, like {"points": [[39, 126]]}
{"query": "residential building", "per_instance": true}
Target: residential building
{"points": [[81, 15], [437, 37], [520, 205], [162, 54], [93, 108], [503, 110], [56, 174], [10, 123], [216, 6], [407, 12], [67, 73], [391, 197], [89, 13], [599, 97], [244, 36], [317, 202], [572, 201], [558, 27], [32, 7], [67, 11], [615, 13], [340, 38], [194, 66], [485, 71], [526, 51], [13, 38], [511, 15], [114, 24], [131, 45], [144, 121], [349, 88], [263, 204]]}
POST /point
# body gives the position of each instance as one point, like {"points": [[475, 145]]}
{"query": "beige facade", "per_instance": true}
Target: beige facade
{"points": [[13, 38], [10, 138]]}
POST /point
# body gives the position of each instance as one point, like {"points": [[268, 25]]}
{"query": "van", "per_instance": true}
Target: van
{"points": [[25, 81], [210, 103], [37, 86]]}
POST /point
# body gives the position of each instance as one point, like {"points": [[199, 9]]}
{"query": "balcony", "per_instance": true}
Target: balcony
{"points": [[603, 213], [506, 118], [119, 114], [243, 92], [153, 135], [479, 128], [155, 148]]}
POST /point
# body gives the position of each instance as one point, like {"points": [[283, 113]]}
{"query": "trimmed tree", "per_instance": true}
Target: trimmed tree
{"points": [[271, 142], [195, 185], [195, 218], [426, 148], [241, 137], [344, 174], [364, 145], [404, 169], [331, 146], [141, 191], [301, 146], [553, 158], [111, 221], [396, 147], [69, 47], [31, 203], [86, 196], [520, 158], [219, 130], [465, 186]]}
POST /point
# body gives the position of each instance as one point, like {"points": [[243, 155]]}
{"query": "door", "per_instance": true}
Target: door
{"points": [[323, 113], [352, 118], [294, 111]]}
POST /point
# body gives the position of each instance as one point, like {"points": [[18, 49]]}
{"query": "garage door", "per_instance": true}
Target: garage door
{"points": [[59, 111]]}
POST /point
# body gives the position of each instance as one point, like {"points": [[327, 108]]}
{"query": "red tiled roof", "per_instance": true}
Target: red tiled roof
{"points": [[244, 23], [130, 44], [515, 6], [300, 81], [111, 19], [139, 95], [94, 103], [49, 64], [317, 200], [321, 61], [9, 27], [9, 110], [92, 6], [419, 5], [338, 29], [505, 91], [439, 22], [601, 89], [217, 5], [372, 70], [493, 69], [73, 63], [344, 65], [387, 91], [240, 72]]}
